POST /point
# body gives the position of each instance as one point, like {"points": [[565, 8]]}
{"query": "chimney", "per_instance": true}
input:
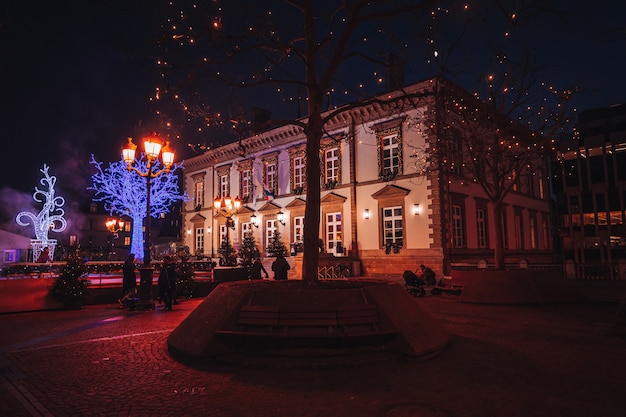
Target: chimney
{"points": [[260, 119]]}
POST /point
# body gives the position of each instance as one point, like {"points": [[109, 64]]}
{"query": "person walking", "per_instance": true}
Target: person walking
{"points": [[256, 268], [280, 267], [129, 283], [167, 282]]}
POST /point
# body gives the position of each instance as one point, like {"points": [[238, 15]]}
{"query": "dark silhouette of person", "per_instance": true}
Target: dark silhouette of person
{"points": [[280, 267], [256, 268], [44, 256], [167, 282], [427, 275], [129, 277], [129, 283]]}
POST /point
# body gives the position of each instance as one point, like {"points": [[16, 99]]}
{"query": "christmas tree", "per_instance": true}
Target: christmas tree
{"points": [[70, 288], [228, 255], [185, 283], [248, 251], [276, 246]]}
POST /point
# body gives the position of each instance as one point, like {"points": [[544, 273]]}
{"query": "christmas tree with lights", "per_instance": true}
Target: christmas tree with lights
{"points": [[70, 288]]}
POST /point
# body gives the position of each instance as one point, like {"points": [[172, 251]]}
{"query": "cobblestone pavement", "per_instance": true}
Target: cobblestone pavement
{"points": [[565, 360]]}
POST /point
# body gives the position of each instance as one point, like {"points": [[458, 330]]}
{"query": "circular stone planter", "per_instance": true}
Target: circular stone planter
{"points": [[416, 334]]}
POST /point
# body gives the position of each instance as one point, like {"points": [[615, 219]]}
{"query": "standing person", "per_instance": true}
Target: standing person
{"points": [[44, 256], [280, 267], [129, 283], [167, 282], [256, 268]]}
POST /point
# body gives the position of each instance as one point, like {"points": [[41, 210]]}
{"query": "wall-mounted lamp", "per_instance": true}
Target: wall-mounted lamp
{"points": [[254, 220], [208, 229], [189, 231], [280, 216], [416, 209], [366, 214]]}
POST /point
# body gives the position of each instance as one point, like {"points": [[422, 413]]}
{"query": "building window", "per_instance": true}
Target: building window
{"points": [[127, 241], [390, 155], [298, 174], [198, 194], [222, 234], [246, 228], [532, 223], [392, 226], [542, 192], [334, 233], [246, 185], [458, 226], [481, 228], [224, 186], [298, 229], [270, 229], [331, 163], [545, 229], [270, 179], [199, 240], [519, 234]]}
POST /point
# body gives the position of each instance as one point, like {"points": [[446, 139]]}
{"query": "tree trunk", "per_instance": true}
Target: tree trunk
{"points": [[498, 251], [310, 259], [137, 238]]}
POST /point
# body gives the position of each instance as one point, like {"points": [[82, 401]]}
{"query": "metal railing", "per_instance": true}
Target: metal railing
{"points": [[570, 270]]}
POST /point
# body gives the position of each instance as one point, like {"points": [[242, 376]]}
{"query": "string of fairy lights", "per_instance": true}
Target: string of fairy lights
{"points": [[192, 27]]}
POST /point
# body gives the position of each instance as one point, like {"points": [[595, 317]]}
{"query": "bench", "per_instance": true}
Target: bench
{"points": [[299, 322], [252, 315], [447, 285], [345, 322]]}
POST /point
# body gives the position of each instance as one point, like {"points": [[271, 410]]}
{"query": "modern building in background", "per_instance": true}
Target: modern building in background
{"points": [[590, 185], [385, 203]]}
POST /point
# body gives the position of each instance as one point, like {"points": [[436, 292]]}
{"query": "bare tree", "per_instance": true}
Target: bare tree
{"points": [[315, 52]]}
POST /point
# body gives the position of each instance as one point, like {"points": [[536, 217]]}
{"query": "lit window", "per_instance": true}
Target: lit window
{"points": [[458, 227], [392, 226], [298, 172], [331, 161], [390, 155]]}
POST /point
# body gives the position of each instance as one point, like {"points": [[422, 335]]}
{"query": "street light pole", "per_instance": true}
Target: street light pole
{"points": [[227, 207], [153, 146]]}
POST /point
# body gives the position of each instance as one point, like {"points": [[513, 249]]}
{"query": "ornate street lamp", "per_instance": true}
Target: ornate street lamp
{"points": [[153, 147], [114, 225], [227, 207]]}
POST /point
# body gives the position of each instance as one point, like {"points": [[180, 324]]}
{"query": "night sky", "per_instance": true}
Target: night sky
{"points": [[77, 76]]}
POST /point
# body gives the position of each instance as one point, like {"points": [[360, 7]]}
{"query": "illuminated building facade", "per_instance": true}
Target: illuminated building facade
{"points": [[386, 203]]}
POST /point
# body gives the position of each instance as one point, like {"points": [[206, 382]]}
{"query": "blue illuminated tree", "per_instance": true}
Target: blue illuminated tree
{"points": [[124, 193]]}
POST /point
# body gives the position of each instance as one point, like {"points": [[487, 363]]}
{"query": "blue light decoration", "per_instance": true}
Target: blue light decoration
{"points": [[49, 219], [124, 194]]}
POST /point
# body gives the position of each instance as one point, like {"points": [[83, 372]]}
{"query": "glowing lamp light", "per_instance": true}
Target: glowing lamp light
{"points": [[128, 152], [114, 225], [167, 155], [152, 146], [280, 216], [366, 214], [217, 203], [254, 220]]}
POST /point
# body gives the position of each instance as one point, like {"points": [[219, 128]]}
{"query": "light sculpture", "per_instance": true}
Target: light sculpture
{"points": [[49, 219]]}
